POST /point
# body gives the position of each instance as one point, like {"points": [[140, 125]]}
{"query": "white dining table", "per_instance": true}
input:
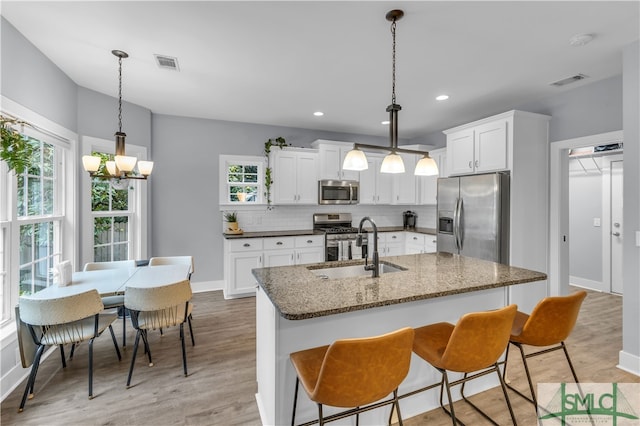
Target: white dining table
{"points": [[109, 282]]}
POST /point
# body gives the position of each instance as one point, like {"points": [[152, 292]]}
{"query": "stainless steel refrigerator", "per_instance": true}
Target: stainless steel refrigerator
{"points": [[473, 216]]}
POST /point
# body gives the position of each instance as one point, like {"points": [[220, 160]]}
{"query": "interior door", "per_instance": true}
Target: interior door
{"points": [[616, 226]]}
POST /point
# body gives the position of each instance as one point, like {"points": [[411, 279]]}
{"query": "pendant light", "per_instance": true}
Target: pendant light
{"points": [[122, 169], [392, 163]]}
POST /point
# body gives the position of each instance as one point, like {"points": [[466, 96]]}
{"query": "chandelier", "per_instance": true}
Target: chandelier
{"points": [[392, 163], [123, 168]]}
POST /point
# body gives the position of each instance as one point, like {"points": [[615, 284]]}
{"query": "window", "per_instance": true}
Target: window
{"points": [[241, 179], [36, 218], [114, 215]]}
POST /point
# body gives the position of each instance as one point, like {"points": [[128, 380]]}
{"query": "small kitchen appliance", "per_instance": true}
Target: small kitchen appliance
{"points": [[409, 219], [340, 241]]}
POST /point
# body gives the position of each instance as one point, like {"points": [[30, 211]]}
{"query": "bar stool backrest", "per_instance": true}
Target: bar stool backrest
{"points": [[478, 340], [552, 320], [359, 371]]}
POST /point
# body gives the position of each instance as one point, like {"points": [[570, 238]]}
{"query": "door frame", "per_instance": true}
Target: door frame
{"points": [[606, 239], [559, 206]]}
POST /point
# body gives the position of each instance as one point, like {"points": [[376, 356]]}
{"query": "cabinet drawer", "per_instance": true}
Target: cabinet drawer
{"points": [[278, 243], [309, 241], [415, 238], [391, 237], [245, 244]]}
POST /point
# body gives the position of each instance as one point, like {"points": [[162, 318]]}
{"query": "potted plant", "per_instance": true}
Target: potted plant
{"points": [[232, 221]]}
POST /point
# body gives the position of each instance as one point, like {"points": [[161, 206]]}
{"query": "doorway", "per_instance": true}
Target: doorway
{"points": [[559, 210]]}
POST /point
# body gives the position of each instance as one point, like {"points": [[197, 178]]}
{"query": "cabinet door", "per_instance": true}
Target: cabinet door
{"points": [[430, 244], [279, 257], [460, 149], [491, 147], [384, 184], [306, 178], [309, 255], [284, 177], [241, 279], [405, 183], [330, 162], [368, 182]]}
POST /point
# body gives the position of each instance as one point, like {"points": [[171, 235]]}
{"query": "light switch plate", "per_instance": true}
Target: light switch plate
{"points": [[596, 221], [637, 238]]}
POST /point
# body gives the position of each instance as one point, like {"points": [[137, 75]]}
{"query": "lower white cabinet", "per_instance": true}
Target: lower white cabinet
{"points": [[244, 254], [390, 244], [416, 243]]}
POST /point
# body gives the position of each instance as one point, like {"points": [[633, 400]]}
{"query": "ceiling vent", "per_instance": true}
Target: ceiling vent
{"points": [[569, 80], [167, 62]]}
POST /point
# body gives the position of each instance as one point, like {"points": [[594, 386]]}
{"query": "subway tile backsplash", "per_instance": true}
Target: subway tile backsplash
{"points": [[283, 218]]}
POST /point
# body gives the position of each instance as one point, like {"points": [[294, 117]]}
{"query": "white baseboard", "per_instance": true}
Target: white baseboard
{"points": [[203, 286], [629, 363], [588, 284]]}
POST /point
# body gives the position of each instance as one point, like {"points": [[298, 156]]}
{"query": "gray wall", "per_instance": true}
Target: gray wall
{"points": [[32, 80], [184, 184], [631, 209]]}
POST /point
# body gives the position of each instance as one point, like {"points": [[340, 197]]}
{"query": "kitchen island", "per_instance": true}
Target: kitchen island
{"points": [[299, 308]]}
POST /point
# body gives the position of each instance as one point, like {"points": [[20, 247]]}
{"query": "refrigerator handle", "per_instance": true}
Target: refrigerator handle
{"points": [[456, 224]]}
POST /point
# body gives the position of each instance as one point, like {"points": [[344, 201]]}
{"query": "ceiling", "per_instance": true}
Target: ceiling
{"points": [[278, 62]]}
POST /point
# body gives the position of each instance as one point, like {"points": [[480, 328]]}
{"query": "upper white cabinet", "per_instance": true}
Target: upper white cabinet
{"points": [[375, 187], [428, 185], [482, 148], [332, 155], [295, 176], [405, 188]]}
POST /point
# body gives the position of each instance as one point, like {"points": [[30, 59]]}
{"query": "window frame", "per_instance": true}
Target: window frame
{"points": [[250, 160], [65, 142]]}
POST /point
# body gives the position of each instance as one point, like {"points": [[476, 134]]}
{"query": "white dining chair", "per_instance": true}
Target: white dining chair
{"points": [[154, 308], [116, 301], [65, 320], [178, 260]]}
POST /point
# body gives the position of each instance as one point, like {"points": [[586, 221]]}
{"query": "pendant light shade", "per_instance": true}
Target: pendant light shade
{"points": [[355, 160], [426, 167], [123, 168], [392, 163]]}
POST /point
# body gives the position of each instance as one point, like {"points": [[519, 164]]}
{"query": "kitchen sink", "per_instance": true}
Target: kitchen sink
{"points": [[353, 271]]}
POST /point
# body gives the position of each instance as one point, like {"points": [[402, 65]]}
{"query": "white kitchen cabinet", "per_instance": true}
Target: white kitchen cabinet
{"points": [[295, 176], [242, 255], [416, 243], [331, 156], [279, 251], [428, 185], [375, 187], [389, 244], [405, 189], [482, 148], [309, 249]]}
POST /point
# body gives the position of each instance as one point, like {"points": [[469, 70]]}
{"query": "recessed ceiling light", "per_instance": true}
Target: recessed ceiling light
{"points": [[580, 39], [442, 97], [318, 113], [385, 123]]}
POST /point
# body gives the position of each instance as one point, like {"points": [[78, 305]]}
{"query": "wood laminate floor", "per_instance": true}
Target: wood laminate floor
{"points": [[221, 384]]}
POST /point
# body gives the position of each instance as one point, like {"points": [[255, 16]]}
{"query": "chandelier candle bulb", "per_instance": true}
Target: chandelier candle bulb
{"points": [[145, 167], [91, 163], [125, 163]]}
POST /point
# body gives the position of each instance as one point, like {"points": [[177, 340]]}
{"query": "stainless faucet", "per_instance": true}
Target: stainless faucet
{"points": [[374, 266]]}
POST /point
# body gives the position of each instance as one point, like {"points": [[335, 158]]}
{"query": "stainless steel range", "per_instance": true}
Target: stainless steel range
{"points": [[340, 236]]}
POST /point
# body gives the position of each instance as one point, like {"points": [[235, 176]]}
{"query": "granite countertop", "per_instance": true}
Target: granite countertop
{"points": [[299, 294], [295, 233]]}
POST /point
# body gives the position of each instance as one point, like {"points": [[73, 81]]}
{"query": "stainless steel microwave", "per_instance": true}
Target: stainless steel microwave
{"points": [[338, 191]]}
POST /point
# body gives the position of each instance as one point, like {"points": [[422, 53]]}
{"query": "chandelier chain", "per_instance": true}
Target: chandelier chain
{"points": [[393, 63], [120, 94]]}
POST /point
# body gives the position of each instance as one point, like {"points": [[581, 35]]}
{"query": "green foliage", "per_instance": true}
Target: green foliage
{"points": [[268, 180], [15, 149], [230, 216]]}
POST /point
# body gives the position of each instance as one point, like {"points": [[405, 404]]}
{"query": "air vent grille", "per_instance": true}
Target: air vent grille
{"points": [[569, 80], [167, 62]]}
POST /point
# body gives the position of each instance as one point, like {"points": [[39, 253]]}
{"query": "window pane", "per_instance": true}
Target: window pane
{"points": [[102, 254], [34, 206], [36, 163], [235, 177], [121, 229], [120, 199], [251, 169], [25, 287], [48, 192], [121, 251], [48, 157], [251, 178], [26, 243], [100, 193], [20, 202], [102, 230]]}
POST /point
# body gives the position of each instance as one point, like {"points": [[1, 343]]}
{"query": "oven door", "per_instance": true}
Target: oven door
{"points": [[344, 250]]}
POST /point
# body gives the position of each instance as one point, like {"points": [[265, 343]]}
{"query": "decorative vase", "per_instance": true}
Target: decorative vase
{"points": [[232, 226], [241, 196]]}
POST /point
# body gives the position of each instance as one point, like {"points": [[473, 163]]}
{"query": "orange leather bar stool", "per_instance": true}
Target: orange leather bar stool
{"points": [[473, 345], [549, 324], [354, 373]]}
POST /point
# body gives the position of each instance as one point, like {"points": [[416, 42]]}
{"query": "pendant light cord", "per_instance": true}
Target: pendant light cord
{"points": [[120, 94], [393, 63]]}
